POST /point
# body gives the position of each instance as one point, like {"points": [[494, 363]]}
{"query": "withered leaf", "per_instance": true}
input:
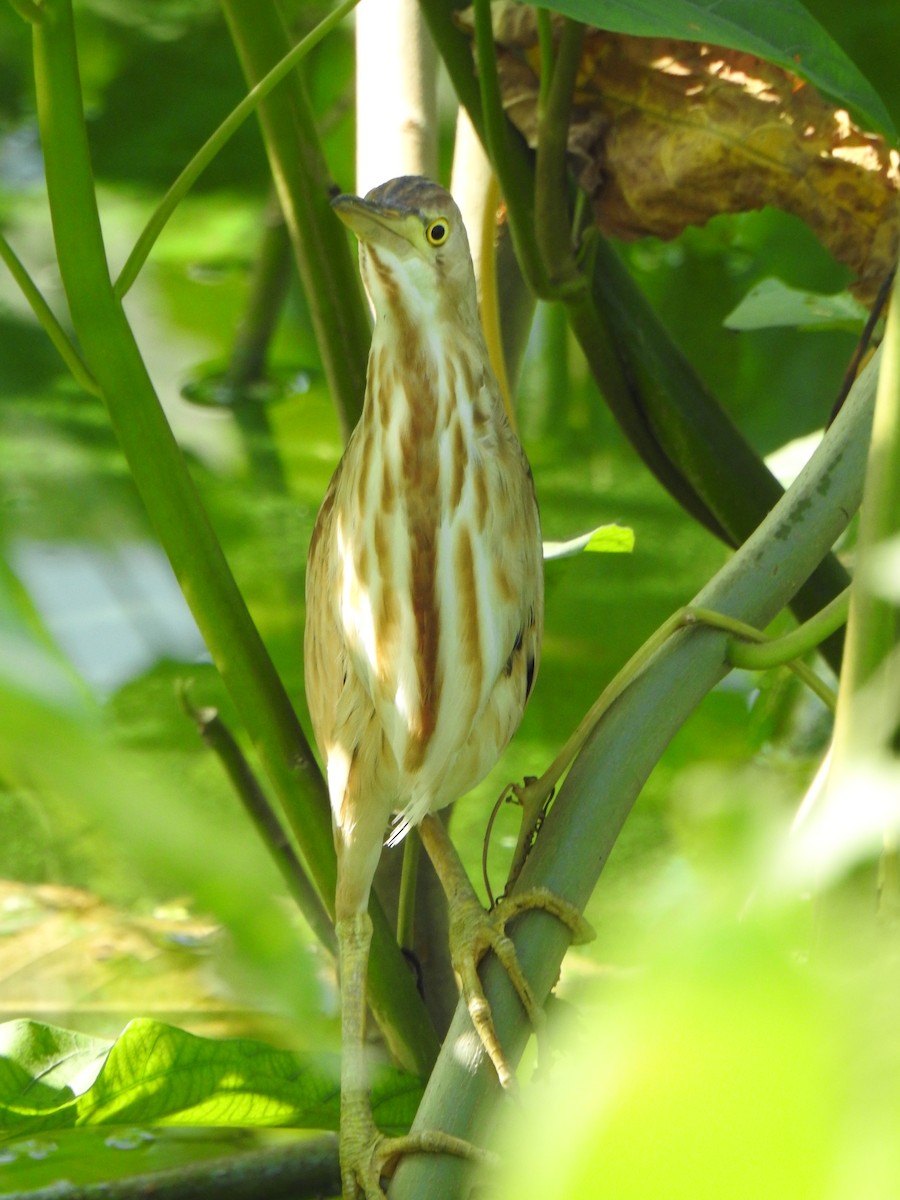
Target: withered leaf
{"points": [[667, 133]]}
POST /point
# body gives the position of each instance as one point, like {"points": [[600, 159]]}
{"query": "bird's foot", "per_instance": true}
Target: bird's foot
{"points": [[474, 931], [369, 1157]]}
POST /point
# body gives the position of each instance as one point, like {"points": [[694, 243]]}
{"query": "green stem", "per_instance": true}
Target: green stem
{"points": [[170, 497], [748, 637], [327, 269], [47, 319], [340, 320], [551, 208], [809, 636], [406, 905], [268, 288], [220, 740], [545, 44], [217, 140], [154, 457], [506, 155], [28, 11]]}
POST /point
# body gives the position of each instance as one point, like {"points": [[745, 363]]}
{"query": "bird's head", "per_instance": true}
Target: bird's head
{"points": [[414, 251]]}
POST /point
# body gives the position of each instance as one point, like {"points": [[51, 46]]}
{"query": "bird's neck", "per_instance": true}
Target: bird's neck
{"points": [[422, 373]]}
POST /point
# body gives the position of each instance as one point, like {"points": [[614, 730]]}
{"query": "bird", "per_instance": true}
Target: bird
{"points": [[424, 589]]}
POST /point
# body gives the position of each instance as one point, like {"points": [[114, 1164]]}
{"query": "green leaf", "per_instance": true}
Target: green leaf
{"points": [[605, 539], [783, 33], [772, 304], [42, 1071], [155, 1074]]}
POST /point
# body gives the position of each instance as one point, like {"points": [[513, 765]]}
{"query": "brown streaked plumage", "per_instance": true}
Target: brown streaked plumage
{"points": [[424, 583]]}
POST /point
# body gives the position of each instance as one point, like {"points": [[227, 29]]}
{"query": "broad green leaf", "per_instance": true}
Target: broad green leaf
{"points": [[773, 304], [605, 539], [155, 1074], [784, 33], [42, 1071]]}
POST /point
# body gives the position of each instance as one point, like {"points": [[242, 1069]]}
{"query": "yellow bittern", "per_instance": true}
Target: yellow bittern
{"points": [[424, 593]]}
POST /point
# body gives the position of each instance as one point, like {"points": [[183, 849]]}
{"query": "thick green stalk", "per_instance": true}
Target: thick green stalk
{"points": [[553, 222], [506, 150], [581, 828], [153, 455], [327, 268], [169, 495]]}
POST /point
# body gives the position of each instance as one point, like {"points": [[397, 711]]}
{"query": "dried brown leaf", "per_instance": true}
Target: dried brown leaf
{"points": [[666, 134]]}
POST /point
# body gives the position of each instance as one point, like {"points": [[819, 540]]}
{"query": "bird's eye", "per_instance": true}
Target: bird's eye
{"points": [[437, 232]]}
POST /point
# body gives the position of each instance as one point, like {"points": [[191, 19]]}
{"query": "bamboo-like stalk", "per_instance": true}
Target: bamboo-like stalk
{"points": [[324, 260]]}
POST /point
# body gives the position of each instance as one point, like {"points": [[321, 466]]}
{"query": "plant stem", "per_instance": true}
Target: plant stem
{"points": [[326, 266], [773, 652], [217, 140], [268, 287], [220, 740], [516, 183], [47, 319], [551, 209]]}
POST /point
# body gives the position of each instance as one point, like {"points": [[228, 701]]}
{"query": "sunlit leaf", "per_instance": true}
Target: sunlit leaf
{"points": [[42, 1071], [605, 539], [159, 1075]]}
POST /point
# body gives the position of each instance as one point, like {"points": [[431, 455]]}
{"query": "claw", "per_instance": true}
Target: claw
{"points": [[473, 932], [368, 1156]]}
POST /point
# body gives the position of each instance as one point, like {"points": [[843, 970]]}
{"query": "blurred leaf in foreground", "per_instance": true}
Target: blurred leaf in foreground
{"points": [[728, 1066]]}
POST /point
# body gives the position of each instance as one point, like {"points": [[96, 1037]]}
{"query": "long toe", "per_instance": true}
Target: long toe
{"points": [[475, 931], [368, 1158]]}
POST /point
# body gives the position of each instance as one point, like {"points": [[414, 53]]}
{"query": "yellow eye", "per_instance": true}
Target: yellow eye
{"points": [[437, 232]]}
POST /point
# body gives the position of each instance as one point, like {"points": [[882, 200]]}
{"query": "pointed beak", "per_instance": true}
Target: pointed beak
{"points": [[375, 223]]}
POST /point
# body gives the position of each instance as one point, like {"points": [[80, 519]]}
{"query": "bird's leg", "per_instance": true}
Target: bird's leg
{"points": [[474, 931], [366, 1154], [533, 796]]}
